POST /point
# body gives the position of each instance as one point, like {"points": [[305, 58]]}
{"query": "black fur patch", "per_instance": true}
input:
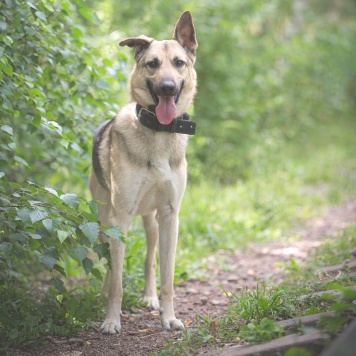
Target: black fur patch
{"points": [[98, 169]]}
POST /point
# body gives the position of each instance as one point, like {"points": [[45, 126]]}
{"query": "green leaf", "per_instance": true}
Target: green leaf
{"points": [[5, 201], [52, 191], [89, 216], [115, 233], [77, 33], [102, 250], [78, 253], [34, 244], [20, 160], [89, 14], [8, 40], [58, 284], [51, 225], [71, 200], [64, 142], [8, 129], [87, 264], [30, 30], [96, 273], [5, 247], [93, 206], [60, 270], [41, 16], [24, 215], [62, 235], [48, 261], [15, 185], [2, 174], [102, 84], [1, 51], [37, 215], [35, 236], [91, 230]]}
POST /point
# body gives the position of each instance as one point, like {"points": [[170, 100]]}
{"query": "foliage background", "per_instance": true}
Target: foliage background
{"points": [[275, 111]]}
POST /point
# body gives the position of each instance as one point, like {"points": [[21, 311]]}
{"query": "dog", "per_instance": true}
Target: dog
{"points": [[139, 164]]}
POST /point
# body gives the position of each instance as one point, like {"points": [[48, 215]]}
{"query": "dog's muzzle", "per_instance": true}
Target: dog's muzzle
{"points": [[166, 97]]}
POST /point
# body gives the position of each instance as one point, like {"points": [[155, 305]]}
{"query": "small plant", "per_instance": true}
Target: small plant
{"points": [[260, 304], [255, 332], [26, 317]]}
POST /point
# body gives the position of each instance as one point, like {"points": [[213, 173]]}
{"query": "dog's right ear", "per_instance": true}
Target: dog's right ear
{"points": [[184, 32], [139, 44]]}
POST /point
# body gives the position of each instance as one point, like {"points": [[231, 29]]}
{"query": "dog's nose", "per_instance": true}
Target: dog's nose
{"points": [[167, 87]]}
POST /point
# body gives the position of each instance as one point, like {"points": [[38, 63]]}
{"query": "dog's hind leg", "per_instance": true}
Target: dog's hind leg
{"points": [[150, 293]]}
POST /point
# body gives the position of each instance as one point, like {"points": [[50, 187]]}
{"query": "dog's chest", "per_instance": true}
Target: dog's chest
{"points": [[165, 174]]}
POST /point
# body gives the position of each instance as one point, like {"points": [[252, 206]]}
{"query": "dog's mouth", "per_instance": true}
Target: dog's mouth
{"points": [[166, 106]]}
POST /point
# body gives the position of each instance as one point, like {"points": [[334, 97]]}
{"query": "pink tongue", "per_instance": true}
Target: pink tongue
{"points": [[166, 109]]}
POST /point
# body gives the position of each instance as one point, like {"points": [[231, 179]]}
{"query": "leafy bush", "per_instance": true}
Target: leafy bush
{"points": [[42, 222], [26, 316], [54, 82], [53, 85]]}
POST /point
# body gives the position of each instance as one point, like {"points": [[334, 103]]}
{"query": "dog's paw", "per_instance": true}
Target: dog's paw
{"points": [[172, 324], [110, 326], [152, 302]]}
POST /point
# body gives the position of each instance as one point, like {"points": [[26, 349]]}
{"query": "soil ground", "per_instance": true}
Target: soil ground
{"points": [[142, 333]]}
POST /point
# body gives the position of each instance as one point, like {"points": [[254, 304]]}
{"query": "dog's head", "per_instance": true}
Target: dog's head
{"points": [[164, 72]]}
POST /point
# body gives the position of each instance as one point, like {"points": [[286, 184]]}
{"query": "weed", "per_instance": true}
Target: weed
{"points": [[261, 303], [255, 332], [333, 324]]}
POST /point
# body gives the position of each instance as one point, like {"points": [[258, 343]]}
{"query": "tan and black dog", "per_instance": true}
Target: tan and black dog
{"points": [[139, 165]]}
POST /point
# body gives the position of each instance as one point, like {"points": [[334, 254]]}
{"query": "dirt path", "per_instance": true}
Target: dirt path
{"points": [[142, 334]]}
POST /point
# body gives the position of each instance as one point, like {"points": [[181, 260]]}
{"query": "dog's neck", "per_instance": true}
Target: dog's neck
{"points": [[148, 118]]}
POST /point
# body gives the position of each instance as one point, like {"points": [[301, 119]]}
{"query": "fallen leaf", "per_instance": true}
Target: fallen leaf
{"points": [[130, 332], [187, 322], [146, 331]]}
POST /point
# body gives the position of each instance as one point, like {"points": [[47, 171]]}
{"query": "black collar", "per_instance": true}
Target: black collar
{"points": [[148, 118]]}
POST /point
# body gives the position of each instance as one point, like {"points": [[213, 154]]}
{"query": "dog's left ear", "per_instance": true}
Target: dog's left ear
{"points": [[184, 32], [137, 43]]}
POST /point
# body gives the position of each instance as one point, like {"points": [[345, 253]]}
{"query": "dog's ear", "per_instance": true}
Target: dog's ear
{"points": [[139, 43], [184, 32]]}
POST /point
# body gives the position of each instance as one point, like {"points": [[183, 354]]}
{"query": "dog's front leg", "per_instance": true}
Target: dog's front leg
{"points": [[168, 235], [112, 323], [150, 293]]}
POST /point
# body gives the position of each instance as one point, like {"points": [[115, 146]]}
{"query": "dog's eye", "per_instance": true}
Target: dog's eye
{"points": [[179, 63], [153, 64]]}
